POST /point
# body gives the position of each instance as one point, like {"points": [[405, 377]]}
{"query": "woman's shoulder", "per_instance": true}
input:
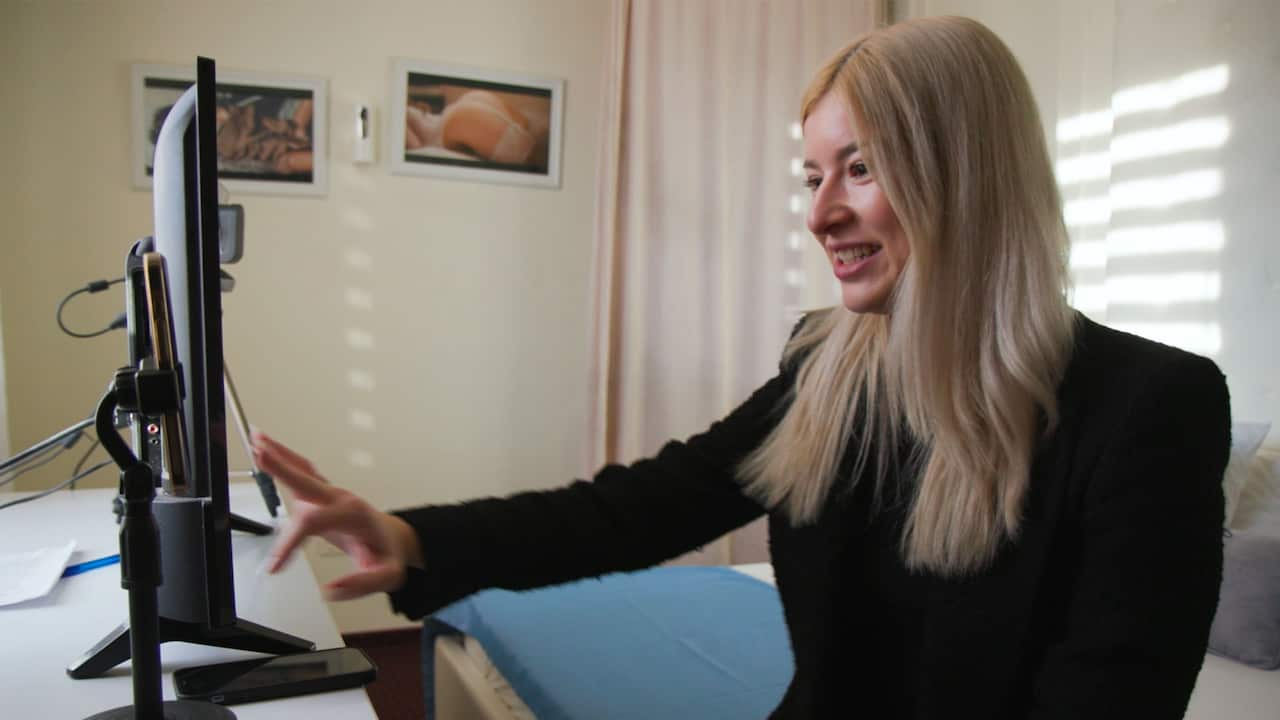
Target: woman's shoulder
{"points": [[1148, 417], [1111, 370], [1114, 352]]}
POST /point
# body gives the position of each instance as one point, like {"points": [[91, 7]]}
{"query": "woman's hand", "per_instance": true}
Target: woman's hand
{"points": [[379, 544]]}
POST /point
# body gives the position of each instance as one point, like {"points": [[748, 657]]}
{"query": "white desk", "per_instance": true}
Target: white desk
{"points": [[40, 638]]}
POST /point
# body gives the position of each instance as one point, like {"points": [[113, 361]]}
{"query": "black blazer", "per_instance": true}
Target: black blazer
{"points": [[1099, 609]]}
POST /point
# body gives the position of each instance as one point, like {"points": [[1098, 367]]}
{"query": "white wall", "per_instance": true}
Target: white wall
{"points": [[477, 334], [1220, 294]]}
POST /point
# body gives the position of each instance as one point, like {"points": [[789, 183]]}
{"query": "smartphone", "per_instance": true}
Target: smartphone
{"points": [[275, 677], [163, 347]]}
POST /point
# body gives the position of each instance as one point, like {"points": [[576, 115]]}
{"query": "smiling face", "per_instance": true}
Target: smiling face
{"points": [[850, 215]]}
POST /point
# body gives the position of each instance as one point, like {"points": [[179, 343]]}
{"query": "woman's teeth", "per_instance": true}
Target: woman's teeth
{"points": [[854, 254]]}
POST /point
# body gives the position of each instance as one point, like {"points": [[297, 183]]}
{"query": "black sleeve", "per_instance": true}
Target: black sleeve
{"points": [[1151, 557], [626, 518]]}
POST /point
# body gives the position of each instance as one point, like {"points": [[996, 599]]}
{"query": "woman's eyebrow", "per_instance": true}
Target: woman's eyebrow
{"points": [[841, 156]]}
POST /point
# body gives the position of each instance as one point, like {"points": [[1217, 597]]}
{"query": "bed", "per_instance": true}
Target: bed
{"points": [[711, 640]]}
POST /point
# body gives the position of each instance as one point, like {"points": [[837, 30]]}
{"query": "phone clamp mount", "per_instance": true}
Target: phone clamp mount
{"points": [[141, 347], [151, 392]]}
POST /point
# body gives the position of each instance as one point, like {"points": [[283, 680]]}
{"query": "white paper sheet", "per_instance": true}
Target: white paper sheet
{"points": [[32, 574]]}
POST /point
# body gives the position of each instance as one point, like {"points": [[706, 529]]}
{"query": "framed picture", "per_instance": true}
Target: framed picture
{"points": [[271, 128], [475, 124]]}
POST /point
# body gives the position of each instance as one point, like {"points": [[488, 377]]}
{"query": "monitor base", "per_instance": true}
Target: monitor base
{"points": [[240, 635], [253, 527]]}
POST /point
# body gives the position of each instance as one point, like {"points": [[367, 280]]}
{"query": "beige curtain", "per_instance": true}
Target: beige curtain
{"points": [[701, 257]]}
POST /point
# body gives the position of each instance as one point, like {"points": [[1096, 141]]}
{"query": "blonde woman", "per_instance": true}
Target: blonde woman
{"points": [[981, 504]]}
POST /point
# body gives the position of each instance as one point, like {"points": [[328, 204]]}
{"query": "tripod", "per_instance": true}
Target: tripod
{"points": [[145, 391], [266, 485]]}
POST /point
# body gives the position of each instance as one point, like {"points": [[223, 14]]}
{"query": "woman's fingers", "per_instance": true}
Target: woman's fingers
{"points": [[282, 551], [319, 520], [290, 455], [380, 578], [325, 510], [307, 486]]}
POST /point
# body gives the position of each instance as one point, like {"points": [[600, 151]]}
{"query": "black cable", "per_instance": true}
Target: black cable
{"points": [[93, 287], [80, 462], [40, 459], [59, 486], [66, 438]]}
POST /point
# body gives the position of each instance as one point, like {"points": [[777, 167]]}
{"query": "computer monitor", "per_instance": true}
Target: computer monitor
{"points": [[197, 595], [185, 206]]}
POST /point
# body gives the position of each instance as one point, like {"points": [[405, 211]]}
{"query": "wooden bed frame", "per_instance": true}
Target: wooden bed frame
{"points": [[462, 691]]}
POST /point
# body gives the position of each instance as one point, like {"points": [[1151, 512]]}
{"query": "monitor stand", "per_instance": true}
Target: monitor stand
{"points": [[240, 635], [184, 597], [253, 527]]}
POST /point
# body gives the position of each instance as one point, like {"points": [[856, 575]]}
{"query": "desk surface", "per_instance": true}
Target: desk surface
{"points": [[41, 637]]}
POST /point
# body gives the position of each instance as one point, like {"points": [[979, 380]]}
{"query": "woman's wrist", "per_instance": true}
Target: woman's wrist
{"points": [[406, 540]]}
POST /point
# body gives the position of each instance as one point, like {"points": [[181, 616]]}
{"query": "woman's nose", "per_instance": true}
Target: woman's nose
{"points": [[828, 206]]}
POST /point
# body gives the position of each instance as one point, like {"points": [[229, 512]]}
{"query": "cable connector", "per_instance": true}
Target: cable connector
{"points": [[94, 287]]}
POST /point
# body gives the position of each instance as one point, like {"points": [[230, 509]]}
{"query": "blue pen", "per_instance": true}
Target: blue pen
{"points": [[88, 565]]}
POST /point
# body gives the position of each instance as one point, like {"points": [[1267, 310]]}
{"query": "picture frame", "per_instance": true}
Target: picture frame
{"points": [[476, 124], [272, 129]]}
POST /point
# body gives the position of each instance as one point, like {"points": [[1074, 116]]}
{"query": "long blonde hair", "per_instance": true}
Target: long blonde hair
{"points": [[968, 359]]}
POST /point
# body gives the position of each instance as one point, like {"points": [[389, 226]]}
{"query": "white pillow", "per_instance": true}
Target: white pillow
{"points": [[1258, 507], [1246, 438]]}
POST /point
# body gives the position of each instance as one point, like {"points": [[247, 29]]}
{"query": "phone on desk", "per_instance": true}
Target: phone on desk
{"points": [[245, 681]]}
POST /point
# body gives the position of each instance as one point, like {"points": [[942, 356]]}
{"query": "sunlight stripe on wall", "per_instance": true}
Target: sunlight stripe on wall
{"points": [[1088, 254], [1201, 134], [1089, 298], [1173, 238], [1090, 124], [1163, 289], [1167, 190], [1149, 193], [1141, 98], [1087, 211], [1165, 94]]}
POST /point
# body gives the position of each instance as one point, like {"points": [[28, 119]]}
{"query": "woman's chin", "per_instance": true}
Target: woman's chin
{"points": [[865, 300]]}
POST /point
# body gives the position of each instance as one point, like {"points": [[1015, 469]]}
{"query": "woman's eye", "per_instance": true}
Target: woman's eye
{"points": [[858, 170], [812, 183]]}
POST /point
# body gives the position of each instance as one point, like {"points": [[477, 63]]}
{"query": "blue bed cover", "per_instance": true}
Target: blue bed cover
{"points": [[668, 642]]}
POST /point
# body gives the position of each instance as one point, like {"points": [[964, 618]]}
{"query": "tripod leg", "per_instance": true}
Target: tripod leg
{"points": [[266, 485]]}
